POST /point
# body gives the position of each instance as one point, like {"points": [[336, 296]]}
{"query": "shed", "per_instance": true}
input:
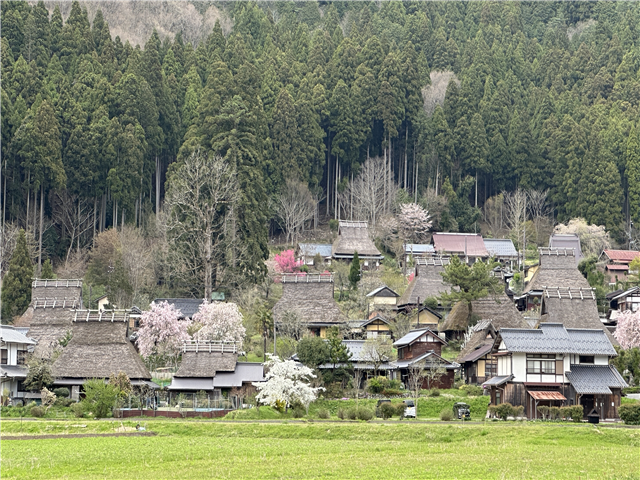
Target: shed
{"points": [[430, 360], [187, 306], [354, 237], [306, 252], [311, 298]]}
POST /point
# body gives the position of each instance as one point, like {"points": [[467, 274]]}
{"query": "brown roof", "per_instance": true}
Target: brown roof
{"points": [[99, 348], [557, 269], [206, 364], [457, 319], [499, 310], [459, 243], [354, 237], [60, 290], [426, 283], [313, 301]]}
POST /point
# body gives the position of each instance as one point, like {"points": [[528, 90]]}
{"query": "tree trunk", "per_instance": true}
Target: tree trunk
{"points": [[415, 183], [79, 227], [28, 196], [95, 208], [335, 191], [208, 271], [35, 214], [406, 147], [476, 204], [157, 185], [41, 225]]}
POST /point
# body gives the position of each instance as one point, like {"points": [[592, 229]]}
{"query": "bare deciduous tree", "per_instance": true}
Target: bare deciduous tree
{"points": [[291, 325], [199, 196], [493, 214], [377, 351], [74, 215], [137, 256], [433, 371], [294, 206], [516, 211], [7, 246], [417, 374]]}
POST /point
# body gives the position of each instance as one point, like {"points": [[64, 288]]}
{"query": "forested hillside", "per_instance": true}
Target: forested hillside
{"points": [[298, 96]]}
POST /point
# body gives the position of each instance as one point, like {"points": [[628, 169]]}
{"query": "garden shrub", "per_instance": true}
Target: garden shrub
{"points": [[341, 414], [37, 412], [324, 413], [629, 390], [434, 392], [391, 392], [543, 411], [446, 415], [257, 351], [472, 390], [400, 408], [504, 410], [387, 410], [577, 412], [630, 414], [61, 392], [298, 411], [364, 414], [64, 402], [518, 411], [377, 384], [352, 413], [394, 384], [100, 397], [555, 413]]}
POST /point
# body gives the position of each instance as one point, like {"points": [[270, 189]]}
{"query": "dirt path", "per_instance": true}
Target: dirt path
{"points": [[76, 435]]}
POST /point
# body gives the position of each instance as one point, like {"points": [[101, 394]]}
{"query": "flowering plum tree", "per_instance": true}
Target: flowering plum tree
{"points": [[286, 383], [628, 330], [286, 262], [162, 332], [218, 321], [414, 222]]}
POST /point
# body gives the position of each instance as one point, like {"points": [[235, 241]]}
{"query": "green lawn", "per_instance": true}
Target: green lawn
{"points": [[188, 449]]}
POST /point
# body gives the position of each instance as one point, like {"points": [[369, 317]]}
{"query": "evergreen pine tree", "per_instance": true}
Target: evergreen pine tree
{"points": [[16, 285], [354, 271], [47, 270], [633, 175]]}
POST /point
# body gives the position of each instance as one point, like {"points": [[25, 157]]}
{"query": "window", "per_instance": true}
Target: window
{"points": [[5, 357], [586, 359], [22, 357], [491, 368], [541, 364]]}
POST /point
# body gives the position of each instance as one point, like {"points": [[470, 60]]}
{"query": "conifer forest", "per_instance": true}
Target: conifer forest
{"points": [[453, 103]]}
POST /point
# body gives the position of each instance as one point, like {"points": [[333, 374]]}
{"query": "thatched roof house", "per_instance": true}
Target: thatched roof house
{"points": [[311, 298], [427, 282], [354, 237], [557, 269], [214, 366], [98, 348], [53, 303]]}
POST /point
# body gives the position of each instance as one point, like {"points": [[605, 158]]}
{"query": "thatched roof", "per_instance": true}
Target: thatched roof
{"points": [[311, 300], [496, 309], [98, 348], [205, 364], [426, 283], [354, 237], [557, 269], [477, 343]]}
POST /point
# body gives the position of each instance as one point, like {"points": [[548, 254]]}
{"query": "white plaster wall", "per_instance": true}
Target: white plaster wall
{"points": [[520, 367]]}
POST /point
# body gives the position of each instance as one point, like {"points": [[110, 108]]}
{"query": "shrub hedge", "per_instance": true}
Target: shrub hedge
{"points": [[630, 414]]}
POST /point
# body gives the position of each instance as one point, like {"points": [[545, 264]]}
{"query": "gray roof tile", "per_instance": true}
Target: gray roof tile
{"points": [[595, 379]]}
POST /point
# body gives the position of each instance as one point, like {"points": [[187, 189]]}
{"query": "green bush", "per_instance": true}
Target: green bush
{"points": [[100, 397], [387, 410], [400, 408], [629, 390], [543, 411], [504, 410], [392, 392], [78, 409], [61, 392], [364, 414], [298, 411], [324, 413], [333, 225], [434, 392], [352, 413], [446, 415], [472, 390], [64, 402], [37, 412], [377, 384], [341, 414], [394, 384], [518, 411], [555, 413], [257, 351], [630, 414]]}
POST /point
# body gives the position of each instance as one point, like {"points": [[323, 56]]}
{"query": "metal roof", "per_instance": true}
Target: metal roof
{"points": [[500, 247], [379, 289], [245, 372], [187, 306], [13, 371], [555, 338], [410, 248], [622, 255], [617, 268], [413, 335], [191, 383], [313, 249], [571, 241], [478, 353], [497, 381], [547, 395], [470, 244], [429, 358], [595, 379], [9, 334], [626, 293]]}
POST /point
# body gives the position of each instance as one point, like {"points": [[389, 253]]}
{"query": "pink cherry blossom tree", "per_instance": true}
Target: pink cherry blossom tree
{"points": [[628, 330], [414, 222], [286, 262], [162, 333], [219, 321]]}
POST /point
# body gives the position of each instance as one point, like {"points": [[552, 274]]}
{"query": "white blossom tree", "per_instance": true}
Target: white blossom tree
{"points": [[162, 333], [286, 383], [414, 222], [628, 329], [219, 321]]}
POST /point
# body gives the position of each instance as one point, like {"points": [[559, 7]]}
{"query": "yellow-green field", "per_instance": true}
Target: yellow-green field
{"points": [[192, 450]]}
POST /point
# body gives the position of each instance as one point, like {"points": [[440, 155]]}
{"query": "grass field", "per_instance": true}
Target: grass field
{"points": [[193, 450]]}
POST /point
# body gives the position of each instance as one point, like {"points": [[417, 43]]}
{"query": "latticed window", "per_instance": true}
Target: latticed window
{"points": [[22, 357], [5, 356], [544, 364]]}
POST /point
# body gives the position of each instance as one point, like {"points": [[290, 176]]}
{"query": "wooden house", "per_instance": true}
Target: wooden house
{"points": [[427, 283], [468, 246], [424, 316], [382, 295], [311, 298], [412, 251], [14, 348], [556, 366], [487, 315], [213, 367], [615, 264], [308, 252], [360, 361], [374, 326], [188, 306], [98, 348], [354, 237], [424, 345], [502, 250], [622, 301]]}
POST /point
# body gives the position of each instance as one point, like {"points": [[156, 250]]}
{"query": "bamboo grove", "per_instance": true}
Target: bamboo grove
{"points": [[540, 95]]}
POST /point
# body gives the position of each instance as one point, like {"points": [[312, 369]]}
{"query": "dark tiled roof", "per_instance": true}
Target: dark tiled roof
{"points": [[187, 306], [429, 358], [378, 290], [476, 354], [595, 379], [555, 338], [497, 381], [500, 247]]}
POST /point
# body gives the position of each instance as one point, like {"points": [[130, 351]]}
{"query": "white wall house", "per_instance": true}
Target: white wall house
{"points": [[14, 347]]}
